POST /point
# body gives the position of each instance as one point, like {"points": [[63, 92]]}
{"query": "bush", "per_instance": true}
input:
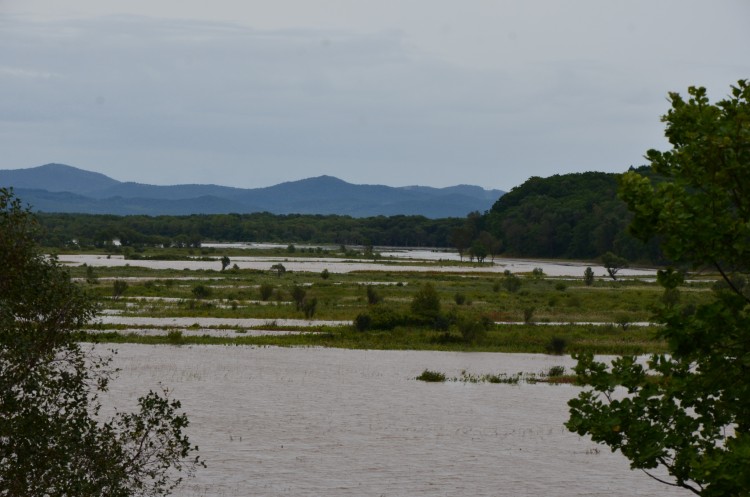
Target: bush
{"points": [[265, 290], [325, 274], [309, 305], [557, 346], [459, 298], [118, 288], [511, 282], [588, 276], [528, 314], [473, 329], [426, 303], [298, 296], [363, 322], [201, 291], [372, 296], [431, 376], [174, 337]]}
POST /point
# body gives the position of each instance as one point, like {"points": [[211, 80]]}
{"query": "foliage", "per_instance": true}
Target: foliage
{"points": [[298, 296], [473, 328], [225, 262], [373, 297], [613, 263], [188, 231], [426, 302], [688, 411], [575, 216], [309, 306], [279, 269], [53, 439], [588, 276], [118, 288], [556, 345], [201, 291], [325, 274], [431, 376], [511, 282], [265, 290]]}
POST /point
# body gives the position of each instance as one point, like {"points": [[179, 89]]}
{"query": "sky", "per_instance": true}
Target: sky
{"points": [[252, 93]]}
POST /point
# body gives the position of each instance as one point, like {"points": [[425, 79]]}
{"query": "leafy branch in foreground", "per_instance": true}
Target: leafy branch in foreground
{"points": [[687, 412], [53, 440]]}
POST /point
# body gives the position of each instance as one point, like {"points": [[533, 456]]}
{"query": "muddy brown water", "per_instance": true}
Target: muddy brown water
{"points": [[329, 422]]}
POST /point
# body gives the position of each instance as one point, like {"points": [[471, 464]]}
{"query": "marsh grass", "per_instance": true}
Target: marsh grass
{"points": [[235, 294]]}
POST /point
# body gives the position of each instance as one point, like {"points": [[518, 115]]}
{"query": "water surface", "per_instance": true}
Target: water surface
{"points": [[329, 422]]}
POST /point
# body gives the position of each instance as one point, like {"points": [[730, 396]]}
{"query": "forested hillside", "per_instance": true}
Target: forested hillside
{"points": [[576, 216]]}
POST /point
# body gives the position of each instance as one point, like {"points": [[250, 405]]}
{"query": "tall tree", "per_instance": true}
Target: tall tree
{"points": [[688, 411], [53, 440]]}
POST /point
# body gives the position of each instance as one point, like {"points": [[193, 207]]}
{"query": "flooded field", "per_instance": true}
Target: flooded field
{"points": [[330, 422], [316, 265]]}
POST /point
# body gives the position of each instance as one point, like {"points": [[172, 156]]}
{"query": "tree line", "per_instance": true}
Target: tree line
{"points": [[91, 230], [573, 216]]}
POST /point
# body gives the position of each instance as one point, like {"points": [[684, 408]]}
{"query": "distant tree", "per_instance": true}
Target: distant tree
{"points": [[309, 305], [325, 274], [479, 251], [511, 282], [613, 263], [225, 262], [265, 290], [373, 297], [461, 239], [279, 269], [298, 295], [588, 276], [118, 288]]}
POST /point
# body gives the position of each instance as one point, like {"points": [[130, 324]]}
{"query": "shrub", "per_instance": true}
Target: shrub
{"points": [[426, 303], [118, 288], [557, 346], [298, 296], [174, 337], [325, 274], [473, 329], [372, 295], [588, 276], [362, 322], [266, 290], [309, 305], [459, 298], [201, 291], [556, 371], [431, 376], [528, 314], [511, 282]]}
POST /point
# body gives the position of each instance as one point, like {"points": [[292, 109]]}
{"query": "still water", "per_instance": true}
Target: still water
{"points": [[329, 422]]}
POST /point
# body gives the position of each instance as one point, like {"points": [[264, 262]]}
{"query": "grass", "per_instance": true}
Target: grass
{"points": [[541, 310]]}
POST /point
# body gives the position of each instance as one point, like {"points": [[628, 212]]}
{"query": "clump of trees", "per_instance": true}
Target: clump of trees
{"points": [[687, 411], [53, 438]]}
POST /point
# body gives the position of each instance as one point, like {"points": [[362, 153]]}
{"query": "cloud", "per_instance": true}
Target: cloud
{"points": [[166, 100]]}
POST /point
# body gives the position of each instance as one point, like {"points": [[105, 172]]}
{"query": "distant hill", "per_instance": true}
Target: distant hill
{"points": [[62, 188]]}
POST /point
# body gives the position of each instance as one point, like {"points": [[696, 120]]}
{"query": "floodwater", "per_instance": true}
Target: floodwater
{"points": [[316, 265], [328, 422]]}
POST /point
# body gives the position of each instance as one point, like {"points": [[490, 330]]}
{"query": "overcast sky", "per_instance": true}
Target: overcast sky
{"points": [[398, 92]]}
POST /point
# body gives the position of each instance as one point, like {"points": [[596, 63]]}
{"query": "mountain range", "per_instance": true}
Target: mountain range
{"points": [[62, 188]]}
